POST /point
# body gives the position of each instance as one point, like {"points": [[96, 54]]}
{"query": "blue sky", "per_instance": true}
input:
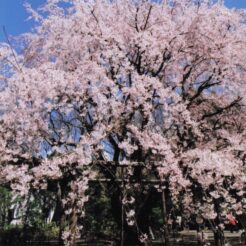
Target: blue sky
{"points": [[13, 15]]}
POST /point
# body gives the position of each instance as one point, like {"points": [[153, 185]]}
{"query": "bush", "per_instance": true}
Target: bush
{"points": [[17, 235]]}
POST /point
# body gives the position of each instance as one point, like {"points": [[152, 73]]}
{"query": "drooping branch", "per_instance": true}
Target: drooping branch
{"points": [[220, 110]]}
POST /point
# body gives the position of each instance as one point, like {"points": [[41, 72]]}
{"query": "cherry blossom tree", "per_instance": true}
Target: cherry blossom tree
{"points": [[160, 83]]}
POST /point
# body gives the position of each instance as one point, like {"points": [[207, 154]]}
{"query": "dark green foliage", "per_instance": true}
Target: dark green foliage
{"points": [[14, 235], [99, 222], [5, 205]]}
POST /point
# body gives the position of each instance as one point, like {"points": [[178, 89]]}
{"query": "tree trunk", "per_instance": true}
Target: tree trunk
{"points": [[218, 238], [59, 215], [25, 218], [61, 229], [122, 236], [73, 226], [164, 211]]}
